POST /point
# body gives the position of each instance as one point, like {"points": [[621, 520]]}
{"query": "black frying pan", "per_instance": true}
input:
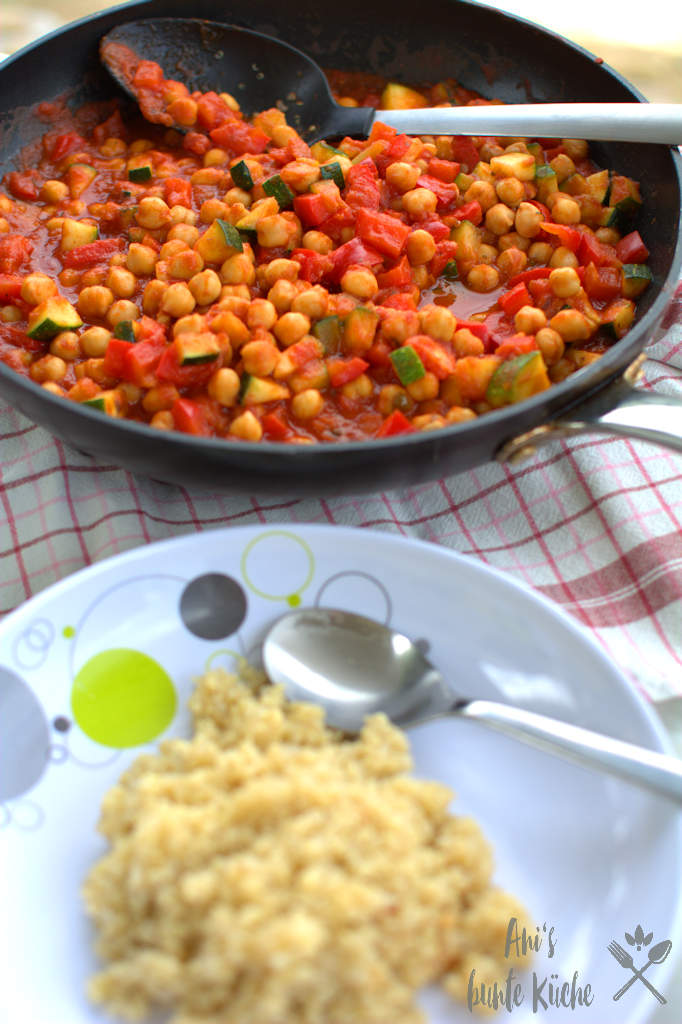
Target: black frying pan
{"points": [[493, 53]]}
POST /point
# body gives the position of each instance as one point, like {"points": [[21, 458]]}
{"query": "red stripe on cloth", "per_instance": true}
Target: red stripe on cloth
{"points": [[635, 586]]}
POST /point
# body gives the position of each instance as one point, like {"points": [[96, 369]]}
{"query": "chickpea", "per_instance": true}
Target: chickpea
{"points": [[48, 368], [563, 257], [438, 322], [152, 213], [209, 176], [161, 397], [67, 346], [566, 211], [246, 427], [228, 323], [540, 252], [171, 248], [54, 191], [465, 343], [122, 310], [421, 247], [317, 241], [402, 177], [205, 287], [186, 233], [459, 414], [483, 278], [420, 203], [529, 320], [97, 275], [260, 357], [94, 341], [177, 300], [551, 344], [563, 166], [162, 420], [281, 269], [499, 219], [37, 287], [215, 158], [313, 302], [425, 388], [238, 269], [513, 240], [571, 325], [307, 404], [527, 221], [213, 209], [291, 327], [185, 264], [121, 282], [511, 261], [235, 291], [482, 192], [53, 388], [152, 296], [360, 282], [510, 191], [95, 301], [361, 387], [193, 323], [10, 314], [272, 231], [224, 386], [564, 282], [576, 149], [300, 174], [141, 259], [261, 314], [183, 215]]}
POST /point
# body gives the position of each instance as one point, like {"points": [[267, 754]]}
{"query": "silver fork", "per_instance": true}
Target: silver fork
{"points": [[625, 960]]}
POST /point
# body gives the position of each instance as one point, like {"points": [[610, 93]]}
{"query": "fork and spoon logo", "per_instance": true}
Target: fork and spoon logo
{"points": [[655, 955]]}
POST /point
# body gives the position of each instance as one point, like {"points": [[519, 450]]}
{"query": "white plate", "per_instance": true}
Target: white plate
{"points": [[591, 857]]}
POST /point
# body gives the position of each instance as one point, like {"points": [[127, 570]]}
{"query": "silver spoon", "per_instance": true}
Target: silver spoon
{"points": [[354, 667], [261, 71]]}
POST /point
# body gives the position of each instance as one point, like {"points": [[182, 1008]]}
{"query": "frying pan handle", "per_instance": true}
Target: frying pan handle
{"points": [[619, 411]]}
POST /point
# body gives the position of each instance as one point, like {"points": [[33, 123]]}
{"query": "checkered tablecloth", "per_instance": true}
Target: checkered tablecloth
{"points": [[594, 524]]}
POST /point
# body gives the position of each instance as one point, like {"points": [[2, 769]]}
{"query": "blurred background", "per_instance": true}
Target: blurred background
{"points": [[643, 41]]}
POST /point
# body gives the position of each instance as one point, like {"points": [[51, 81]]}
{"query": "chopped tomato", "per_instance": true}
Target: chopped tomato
{"points": [[470, 211], [464, 152], [190, 417], [91, 253], [239, 137], [445, 170], [315, 266], [517, 345], [384, 233], [344, 370], [316, 207], [602, 283], [435, 357], [362, 186], [534, 274], [395, 423], [212, 111], [57, 146], [396, 277], [445, 252], [196, 142], [354, 252], [14, 252], [591, 250], [23, 186], [513, 300], [568, 236], [10, 287], [274, 427], [178, 192], [170, 371], [631, 249]]}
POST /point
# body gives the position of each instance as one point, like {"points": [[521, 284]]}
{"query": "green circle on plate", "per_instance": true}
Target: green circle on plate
{"points": [[123, 698], [68, 632]]}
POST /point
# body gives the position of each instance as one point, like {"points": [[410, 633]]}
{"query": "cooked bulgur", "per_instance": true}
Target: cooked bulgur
{"points": [[272, 871]]}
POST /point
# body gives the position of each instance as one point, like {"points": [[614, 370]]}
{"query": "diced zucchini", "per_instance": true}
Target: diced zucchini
{"points": [[359, 329], [256, 390], [624, 203], [536, 149], [264, 208], [546, 181], [323, 152], [51, 317], [279, 190], [218, 242], [581, 356], [76, 233], [636, 278], [591, 210], [125, 330], [464, 181], [143, 172], [598, 185], [407, 365], [617, 317], [333, 172], [241, 175], [195, 349], [514, 165], [329, 330], [111, 402], [574, 185], [450, 270], [468, 240], [400, 97], [78, 177], [517, 378]]}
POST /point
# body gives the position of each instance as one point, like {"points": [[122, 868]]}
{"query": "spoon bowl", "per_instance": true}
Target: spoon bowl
{"points": [[261, 72], [353, 667]]}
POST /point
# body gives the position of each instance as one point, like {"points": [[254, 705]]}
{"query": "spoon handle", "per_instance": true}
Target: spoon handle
{"points": [[621, 122], [658, 772]]}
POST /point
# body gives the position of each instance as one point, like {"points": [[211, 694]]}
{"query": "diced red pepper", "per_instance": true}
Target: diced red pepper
{"points": [[362, 186], [304, 351], [529, 275], [178, 192], [602, 284], [190, 417], [400, 300], [445, 252], [445, 170], [480, 330], [170, 371], [14, 252], [274, 427], [470, 211], [446, 194], [354, 252], [56, 146], [381, 131], [315, 266], [342, 218], [212, 111], [514, 299], [517, 345], [141, 363], [315, 207], [148, 75], [91, 253], [434, 356], [343, 371], [436, 228], [395, 423], [464, 151], [239, 137], [22, 185], [379, 353], [397, 147], [115, 357], [385, 233], [10, 287], [398, 276], [631, 249], [591, 250], [568, 236]]}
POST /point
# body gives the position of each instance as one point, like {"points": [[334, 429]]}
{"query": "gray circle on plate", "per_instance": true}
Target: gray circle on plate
{"points": [[24, 736], [213, 606]]}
